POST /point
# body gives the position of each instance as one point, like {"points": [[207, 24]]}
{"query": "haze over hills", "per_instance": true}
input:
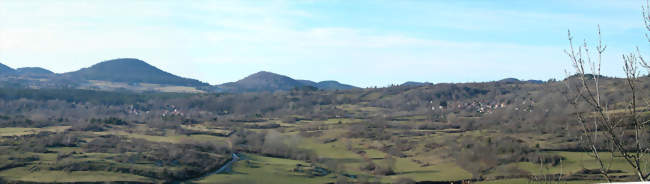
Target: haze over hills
{"points": [[515, 80], [267, 81], [5, 69], [413, 83], [33, 71], [131, 70], [137, 75], [333, 85]]}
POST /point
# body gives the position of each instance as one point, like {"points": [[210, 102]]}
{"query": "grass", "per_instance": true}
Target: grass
{"points": [[265, 170], [445, 171], [201, 127], [526, 181], [576, 161], [351, 161], [174, 138], [441, 170], [334, 121], [17, 131], [39, 171], [24, 174], [260, 169]]}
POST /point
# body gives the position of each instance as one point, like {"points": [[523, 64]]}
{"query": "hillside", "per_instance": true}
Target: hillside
{"points": [[5, 69], [136, 75], [412, 83], [270, 82], [33, 71], [428, 134], [130, 70], [333, 85], [515, 80]]}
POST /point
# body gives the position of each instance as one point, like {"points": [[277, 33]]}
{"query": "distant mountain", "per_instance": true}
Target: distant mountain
{"points": [[509, 80], [587, 76], [262, 81], [535, 81], [33, 71], [307, 83], [514, 80], [333, 85], [412, 83], [4, 69], [267, 81], [130, 70]]}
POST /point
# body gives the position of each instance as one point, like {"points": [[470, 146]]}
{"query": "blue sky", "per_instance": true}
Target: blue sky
{"points": [[364, 43]]}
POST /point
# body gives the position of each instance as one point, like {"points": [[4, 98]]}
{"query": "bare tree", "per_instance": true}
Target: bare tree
{"points": [[602, 129]]}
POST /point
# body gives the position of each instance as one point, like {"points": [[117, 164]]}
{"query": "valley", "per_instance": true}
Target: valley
{"points": [[324, 92], [511, 132]]}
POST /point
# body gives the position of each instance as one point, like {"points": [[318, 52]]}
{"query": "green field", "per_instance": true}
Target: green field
{"points": [[419, 163], [45, 176], [260, 169], [10, 131]]}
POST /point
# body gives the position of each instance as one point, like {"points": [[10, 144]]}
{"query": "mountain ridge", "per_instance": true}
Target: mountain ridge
{"points": [[131, 70], [33, 71], [265, 81], [137, 75], [413, 83], [4, 69]]}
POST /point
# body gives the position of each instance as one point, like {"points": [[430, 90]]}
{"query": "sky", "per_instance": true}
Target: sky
{"points": [[363, 42]]}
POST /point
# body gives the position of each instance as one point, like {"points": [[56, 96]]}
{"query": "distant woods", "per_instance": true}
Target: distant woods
{"points": [[513, 107]]}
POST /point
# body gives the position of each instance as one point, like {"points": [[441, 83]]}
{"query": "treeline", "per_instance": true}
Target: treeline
{"points": [[513, 107]]}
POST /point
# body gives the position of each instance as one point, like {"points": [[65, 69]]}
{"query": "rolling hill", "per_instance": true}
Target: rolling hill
{"points": [[412, 83], [33, 71], [4, 69], [136, 75], [267, 81], [515, 80], [129, 70], [333, 85]]}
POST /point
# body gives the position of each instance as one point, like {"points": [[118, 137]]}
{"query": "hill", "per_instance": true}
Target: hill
{"points": [[412, 83], [130, 70], [262, 81], [33, 71], [270, 82], [515, 80], [509, 80], [5, 69], [333, 85]]}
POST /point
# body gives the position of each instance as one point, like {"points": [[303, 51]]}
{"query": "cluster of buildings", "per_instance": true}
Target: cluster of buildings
{"points": [[171, 110], [483, 107]]}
